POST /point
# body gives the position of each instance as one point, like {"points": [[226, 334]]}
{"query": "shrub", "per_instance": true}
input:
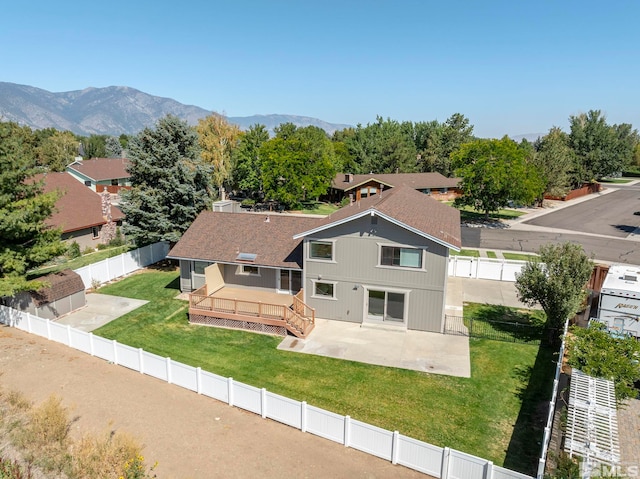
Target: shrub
{"points": [[88, 250], [73, 251], [118, 239], [41, 435]]}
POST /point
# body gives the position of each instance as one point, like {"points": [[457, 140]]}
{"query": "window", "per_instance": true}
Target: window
{"points": [[444, 190], [114, 182], [252, 270], [324, 289], [322, 250], [386, 306], [404, 257], [95, 231], [199, 266], [87, 183]]}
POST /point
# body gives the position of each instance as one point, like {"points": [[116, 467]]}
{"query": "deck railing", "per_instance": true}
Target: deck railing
{"points": [[300, 317]]}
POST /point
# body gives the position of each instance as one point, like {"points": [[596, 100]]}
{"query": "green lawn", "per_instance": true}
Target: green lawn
{"points": [[465, 252], [319, 208], [81, 261], [475, 415], [492, 254], [518, 256], [467, 213], [615, 180]]}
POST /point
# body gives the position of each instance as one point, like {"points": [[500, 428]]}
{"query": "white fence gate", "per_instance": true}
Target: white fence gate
{"points": [[484, 268], [392, 446]]}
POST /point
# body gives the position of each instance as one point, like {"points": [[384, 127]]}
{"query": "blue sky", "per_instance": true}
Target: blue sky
{"points": [[511, 67]]}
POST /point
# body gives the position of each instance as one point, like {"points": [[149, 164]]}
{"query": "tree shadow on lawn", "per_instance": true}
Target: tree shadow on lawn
{"points": [[506, 324], [525, 445]]}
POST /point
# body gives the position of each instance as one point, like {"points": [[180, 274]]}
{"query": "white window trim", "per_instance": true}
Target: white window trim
{"points": [[320, 260], [404, 268], [313, 289], [241, 272]]}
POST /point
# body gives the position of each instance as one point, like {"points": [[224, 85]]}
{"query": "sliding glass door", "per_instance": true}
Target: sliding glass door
{"points": [[386, 306]]}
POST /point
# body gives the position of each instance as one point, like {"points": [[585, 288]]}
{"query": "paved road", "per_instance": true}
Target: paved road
{"points": [[611, 214], [603, 224], [607, 249]]}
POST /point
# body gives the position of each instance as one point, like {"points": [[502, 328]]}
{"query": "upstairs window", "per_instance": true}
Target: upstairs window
{"points": [[322, 250], [403, 257]]}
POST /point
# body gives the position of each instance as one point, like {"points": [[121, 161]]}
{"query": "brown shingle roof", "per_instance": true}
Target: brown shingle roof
{"points": [[61, 284], [407, 207], [99, 169], [79, 207], [218, 236], [414, 180]]}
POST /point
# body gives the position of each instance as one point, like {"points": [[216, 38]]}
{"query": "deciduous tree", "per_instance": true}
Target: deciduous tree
{"points": [[25, 240], [218, 138], [170, 183], [556, 281], [494, 173], [555, 159], [58, 150], [247, 167], [298, 163], [602, 149]]}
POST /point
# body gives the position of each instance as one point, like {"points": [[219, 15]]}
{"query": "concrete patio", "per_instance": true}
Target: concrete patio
{"points": [[399, 348], [100, 310]]}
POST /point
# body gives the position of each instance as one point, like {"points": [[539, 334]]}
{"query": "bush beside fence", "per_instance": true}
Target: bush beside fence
{"points": [[392, 446]]}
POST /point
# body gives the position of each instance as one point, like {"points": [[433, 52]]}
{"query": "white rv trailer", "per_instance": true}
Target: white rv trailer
{"points": [[619, 306]]}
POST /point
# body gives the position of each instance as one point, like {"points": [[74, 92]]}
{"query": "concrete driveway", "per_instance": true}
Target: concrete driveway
{"points": [[100, 309]]}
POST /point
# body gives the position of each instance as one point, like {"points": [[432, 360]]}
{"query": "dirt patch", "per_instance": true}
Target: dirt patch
{"points": [[190, 436]]}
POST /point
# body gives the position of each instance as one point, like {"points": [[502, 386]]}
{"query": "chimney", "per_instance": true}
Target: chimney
{"points": [[348, 177]]}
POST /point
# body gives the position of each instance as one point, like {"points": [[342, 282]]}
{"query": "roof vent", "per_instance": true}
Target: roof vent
{"points": [[630, 277], [348, 178], [266, 220]]}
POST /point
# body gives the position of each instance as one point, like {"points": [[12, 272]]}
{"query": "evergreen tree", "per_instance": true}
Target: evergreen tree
{"points": [[112, 147], [25, 240], [170, 183]]}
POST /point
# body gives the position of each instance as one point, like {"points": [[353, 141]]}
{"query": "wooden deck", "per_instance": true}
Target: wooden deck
{"points": [[276, 312]]}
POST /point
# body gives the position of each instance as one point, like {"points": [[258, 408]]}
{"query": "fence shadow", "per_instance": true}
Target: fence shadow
{"points": [[525, 445]]}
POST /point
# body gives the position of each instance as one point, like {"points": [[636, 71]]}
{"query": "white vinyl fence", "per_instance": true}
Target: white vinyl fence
{"points": [[392, 446], [112, 268], [542, 462], [484, 268]]}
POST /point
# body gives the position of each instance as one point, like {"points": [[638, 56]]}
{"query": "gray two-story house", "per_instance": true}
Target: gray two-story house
{"points": [[381, 260]]}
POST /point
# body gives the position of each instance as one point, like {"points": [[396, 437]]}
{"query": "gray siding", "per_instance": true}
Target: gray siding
{"points": [[233, 277], [356, 255], [24, 302]]}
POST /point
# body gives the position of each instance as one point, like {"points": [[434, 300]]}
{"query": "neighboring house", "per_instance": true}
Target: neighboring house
{"points": [[82, 215], [381, 260], [358, 187], [102, 174]]}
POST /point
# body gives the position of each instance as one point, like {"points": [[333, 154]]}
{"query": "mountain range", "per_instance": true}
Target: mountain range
{"points": [[115, 110]]}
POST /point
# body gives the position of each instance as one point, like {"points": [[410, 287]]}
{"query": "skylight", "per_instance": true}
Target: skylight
{"points": [[248, 257]]}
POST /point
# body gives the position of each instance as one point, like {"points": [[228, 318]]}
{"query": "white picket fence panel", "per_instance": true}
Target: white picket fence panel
{"points": [[121, 265], [484, 268], [392, 446]]}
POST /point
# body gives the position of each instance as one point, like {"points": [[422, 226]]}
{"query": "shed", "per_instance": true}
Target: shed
{"points": [[64, 294]]}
